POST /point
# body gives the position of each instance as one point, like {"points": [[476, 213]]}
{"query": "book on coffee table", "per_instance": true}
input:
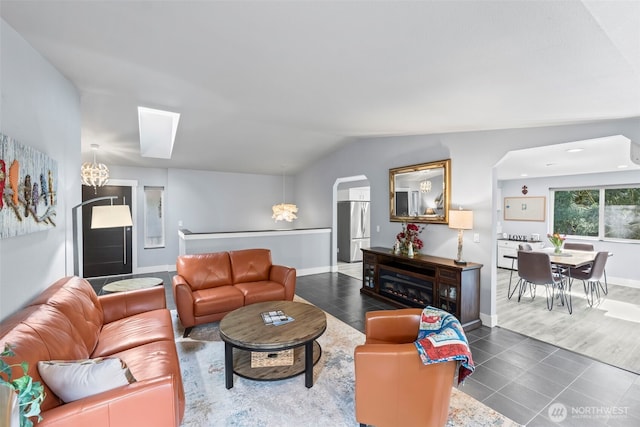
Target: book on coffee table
{"points": [[275, 318]]}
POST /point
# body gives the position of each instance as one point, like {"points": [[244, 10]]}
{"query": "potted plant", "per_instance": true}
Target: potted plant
{"points": [[27, 393]]}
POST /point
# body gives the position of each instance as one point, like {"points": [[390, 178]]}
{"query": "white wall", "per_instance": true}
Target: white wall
{"points": [[473, 183], [39, 107]]}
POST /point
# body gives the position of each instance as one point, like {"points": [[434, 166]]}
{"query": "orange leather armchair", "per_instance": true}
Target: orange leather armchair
{"points": [[393, 387]]}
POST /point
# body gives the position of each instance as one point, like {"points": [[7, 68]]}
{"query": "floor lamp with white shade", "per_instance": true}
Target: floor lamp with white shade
{"points": [[101, 217]]}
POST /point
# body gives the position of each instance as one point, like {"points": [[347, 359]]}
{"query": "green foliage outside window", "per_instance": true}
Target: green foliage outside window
{"points": [[622, 213], [577, 212]]}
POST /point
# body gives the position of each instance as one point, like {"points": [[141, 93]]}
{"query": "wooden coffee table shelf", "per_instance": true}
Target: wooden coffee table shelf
{"points": [[243, 331], [242, 365]]}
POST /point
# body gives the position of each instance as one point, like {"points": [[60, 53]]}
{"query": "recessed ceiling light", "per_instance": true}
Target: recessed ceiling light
{"points": [[622, 166], [575, 150], [157, 132], [524, 174]]}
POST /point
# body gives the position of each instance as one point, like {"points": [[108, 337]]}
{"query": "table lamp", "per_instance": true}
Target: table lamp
{"points": [[460, 220]]}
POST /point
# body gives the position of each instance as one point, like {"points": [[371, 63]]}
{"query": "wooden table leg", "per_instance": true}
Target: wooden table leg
{"points": [[228, 365], [308, 364]]}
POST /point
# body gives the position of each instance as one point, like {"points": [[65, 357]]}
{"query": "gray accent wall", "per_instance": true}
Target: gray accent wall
{"points": [[39, 107]]}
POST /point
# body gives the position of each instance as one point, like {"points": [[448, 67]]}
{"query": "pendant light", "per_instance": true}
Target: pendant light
{"points": [[284, 211], [94, 174]]}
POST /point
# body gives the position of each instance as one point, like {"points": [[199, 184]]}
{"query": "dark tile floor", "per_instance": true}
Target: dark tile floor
{"points": [[531, 382]]}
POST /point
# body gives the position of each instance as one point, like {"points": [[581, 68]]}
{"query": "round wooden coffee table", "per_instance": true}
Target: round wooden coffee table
{"points": [[244, 330], [131, 284]]}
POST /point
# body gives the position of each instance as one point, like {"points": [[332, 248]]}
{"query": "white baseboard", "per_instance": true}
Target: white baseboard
{"points": [[171, 268], [154, 269], [489, 320], [624, 282], [314, 270]]}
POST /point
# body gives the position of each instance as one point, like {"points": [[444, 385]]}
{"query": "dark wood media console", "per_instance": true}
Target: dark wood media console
{"points": [[423, 280]]}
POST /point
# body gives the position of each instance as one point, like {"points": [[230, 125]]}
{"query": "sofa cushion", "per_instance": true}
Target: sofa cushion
{"points": [[134, 331], [75, 298], [261, 291], [202, 271], [217, 300], [76, 379], [250, 265], [41, 333], [156, 360]]}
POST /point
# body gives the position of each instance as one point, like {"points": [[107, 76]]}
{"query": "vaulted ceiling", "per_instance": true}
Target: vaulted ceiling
{"points": [[263, 85]]}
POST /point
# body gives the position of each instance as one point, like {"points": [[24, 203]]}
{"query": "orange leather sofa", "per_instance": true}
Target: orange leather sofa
{"points": [[68, 321], [208, 286], [392, 386]]}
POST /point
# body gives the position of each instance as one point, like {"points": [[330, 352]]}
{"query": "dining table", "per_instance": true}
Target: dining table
{"points": [[566, 260]]}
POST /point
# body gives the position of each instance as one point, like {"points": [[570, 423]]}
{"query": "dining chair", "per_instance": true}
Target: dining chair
{"points": [[521, 247], [591, 277], [534, 268], [525, 247], [579, 246], [591, 248]]}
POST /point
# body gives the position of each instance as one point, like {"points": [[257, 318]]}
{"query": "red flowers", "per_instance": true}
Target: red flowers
{"points": [[410, 233]]}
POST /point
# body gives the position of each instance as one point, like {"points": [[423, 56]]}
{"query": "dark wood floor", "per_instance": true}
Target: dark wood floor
{"points": [[529, 381]]}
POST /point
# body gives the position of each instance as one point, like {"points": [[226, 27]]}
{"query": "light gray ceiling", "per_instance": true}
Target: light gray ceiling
{"points": [[265, 84]]}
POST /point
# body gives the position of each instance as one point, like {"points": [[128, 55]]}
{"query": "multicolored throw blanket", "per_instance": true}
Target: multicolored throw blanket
{"points": [[442, 339]]}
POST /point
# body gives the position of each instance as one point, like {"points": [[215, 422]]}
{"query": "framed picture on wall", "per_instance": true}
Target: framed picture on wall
{"points": [[524, 208]]}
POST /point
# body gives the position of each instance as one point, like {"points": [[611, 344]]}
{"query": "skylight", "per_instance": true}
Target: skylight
{"points": [[157, 132]]}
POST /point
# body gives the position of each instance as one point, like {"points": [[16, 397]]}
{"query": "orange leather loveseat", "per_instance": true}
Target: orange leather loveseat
{"points": [[68, 321], [208, 286]]}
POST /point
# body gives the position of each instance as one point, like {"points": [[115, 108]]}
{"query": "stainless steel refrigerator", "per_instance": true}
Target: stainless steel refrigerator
{"points": [[354, 231]]}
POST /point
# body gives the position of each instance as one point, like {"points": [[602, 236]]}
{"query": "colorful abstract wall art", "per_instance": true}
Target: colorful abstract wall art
{"points": [[28, 189]]}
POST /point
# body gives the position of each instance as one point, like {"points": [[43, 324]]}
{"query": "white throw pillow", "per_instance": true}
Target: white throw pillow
{"points": [[75, 379]]}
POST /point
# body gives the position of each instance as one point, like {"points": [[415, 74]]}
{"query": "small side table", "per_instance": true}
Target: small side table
{"points": [[131, 284]]}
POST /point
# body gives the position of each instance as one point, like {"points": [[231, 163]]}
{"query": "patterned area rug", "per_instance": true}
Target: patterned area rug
{"points": [[288, 402]]}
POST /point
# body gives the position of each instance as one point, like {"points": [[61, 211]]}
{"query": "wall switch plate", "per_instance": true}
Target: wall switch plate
{"points": [[476, 237], [378, 228], [180, 223]]}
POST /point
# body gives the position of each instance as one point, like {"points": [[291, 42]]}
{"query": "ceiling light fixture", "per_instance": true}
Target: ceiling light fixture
{"points": [[94, 174], [284, 211], [575, 150], [425, 186]]}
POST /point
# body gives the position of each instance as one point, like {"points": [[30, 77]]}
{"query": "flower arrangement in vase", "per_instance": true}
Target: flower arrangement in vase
{"points": [[556, 240], [410, 236]]}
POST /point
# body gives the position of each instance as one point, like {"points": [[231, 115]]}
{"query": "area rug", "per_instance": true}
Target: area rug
{"points": [[329, 403]]}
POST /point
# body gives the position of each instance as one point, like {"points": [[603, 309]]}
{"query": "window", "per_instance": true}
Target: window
{"points": [[153, 217], [612, 213]]}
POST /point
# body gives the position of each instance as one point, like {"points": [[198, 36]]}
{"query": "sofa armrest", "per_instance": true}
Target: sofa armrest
{"points": [[128, 405], [119, 305], [183, 298], [287, 277], [392, 326]]}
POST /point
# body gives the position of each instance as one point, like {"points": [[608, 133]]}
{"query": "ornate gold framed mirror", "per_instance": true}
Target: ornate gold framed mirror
{"points": [[420, 193]]}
